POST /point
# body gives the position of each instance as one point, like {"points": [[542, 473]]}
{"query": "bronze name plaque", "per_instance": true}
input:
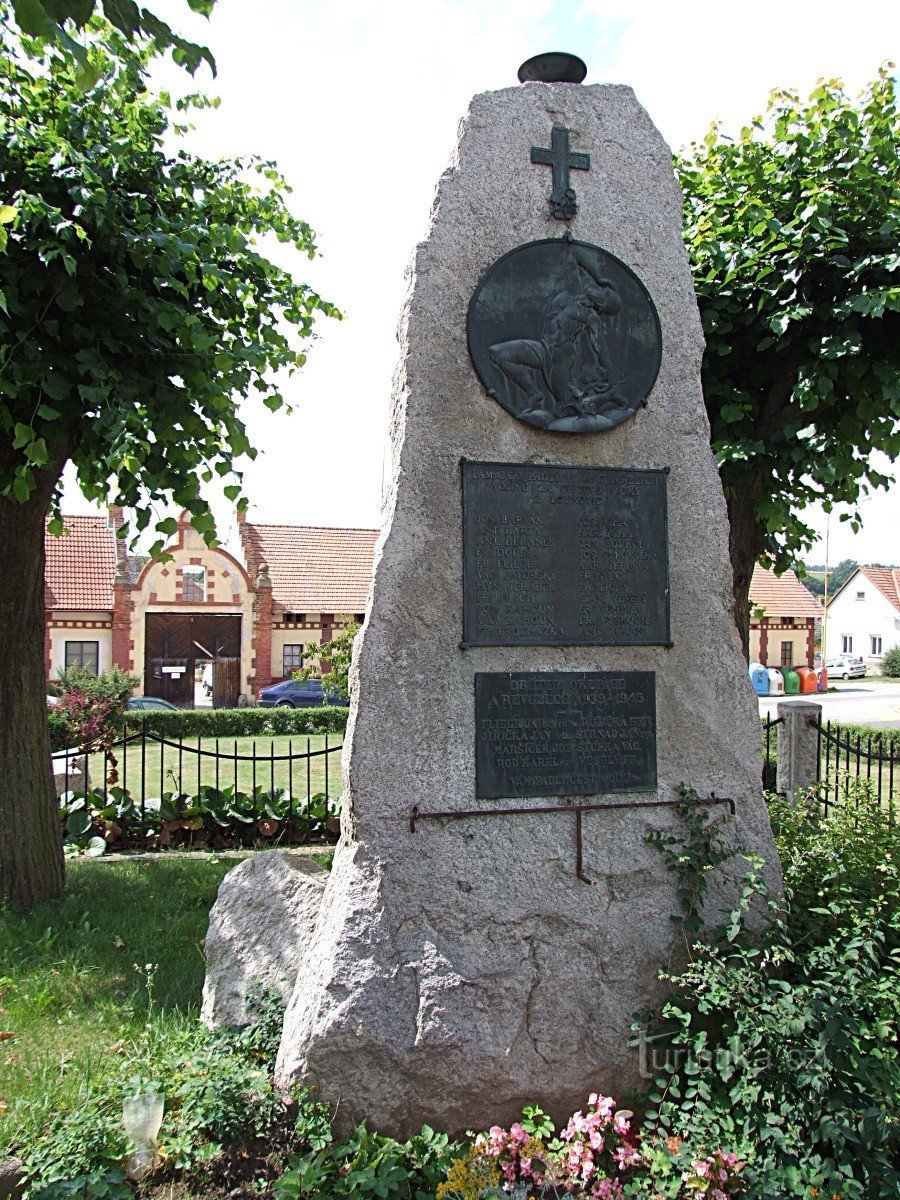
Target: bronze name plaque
{"points": [[564, 733], [564, 556]]}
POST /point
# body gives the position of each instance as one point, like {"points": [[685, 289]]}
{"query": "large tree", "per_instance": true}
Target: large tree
{"points": [[793, 231], [137, 305]]}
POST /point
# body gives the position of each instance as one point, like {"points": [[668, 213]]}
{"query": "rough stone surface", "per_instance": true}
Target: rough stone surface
{"points": [[70, 772], [259, 929], [12, 1179], [463, 970]]}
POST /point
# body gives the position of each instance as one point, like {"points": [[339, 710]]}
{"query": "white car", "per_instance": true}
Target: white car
{"points": [[846, 666]]}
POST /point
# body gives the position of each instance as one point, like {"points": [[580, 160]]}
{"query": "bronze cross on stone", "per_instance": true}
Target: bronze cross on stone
{"points": [[562, 199]]}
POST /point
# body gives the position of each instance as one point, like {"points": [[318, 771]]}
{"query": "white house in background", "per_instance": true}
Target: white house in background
{"points": [[864, 615]]}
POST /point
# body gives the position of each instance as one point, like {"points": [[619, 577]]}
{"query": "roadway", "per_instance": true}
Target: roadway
{"points": [[856, 702]]}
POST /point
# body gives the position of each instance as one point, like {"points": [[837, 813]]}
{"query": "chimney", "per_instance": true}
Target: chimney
{"points": [[115, 521]]}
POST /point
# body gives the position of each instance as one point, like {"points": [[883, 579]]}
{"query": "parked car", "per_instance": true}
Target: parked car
{"points": [[299, 693], [149, 704], [846, 666]]}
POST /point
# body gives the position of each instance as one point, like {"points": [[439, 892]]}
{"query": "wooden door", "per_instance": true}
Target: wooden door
{"points": [[170, 679], [226, 682], [168, 658]]}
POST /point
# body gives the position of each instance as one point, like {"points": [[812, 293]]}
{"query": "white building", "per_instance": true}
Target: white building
{"points": [[864, 615]]}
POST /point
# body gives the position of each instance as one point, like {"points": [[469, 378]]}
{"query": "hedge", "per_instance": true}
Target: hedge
{"points": [[888, 738], [239, 722]]}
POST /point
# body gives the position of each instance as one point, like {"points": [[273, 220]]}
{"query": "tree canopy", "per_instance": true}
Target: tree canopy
{"points": [[793, 231], [57, 20], [135, 302]]}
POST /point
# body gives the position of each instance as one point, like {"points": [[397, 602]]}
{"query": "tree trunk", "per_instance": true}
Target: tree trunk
{"points": [[744, 544], [32, 868]]}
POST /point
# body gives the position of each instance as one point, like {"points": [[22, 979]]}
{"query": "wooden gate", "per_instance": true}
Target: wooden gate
{"points": [[175, 642], [170, 679], [226, 682]]}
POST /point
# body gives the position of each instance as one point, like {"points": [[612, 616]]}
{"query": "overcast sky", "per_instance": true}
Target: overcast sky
{"points": [[358, 102]]}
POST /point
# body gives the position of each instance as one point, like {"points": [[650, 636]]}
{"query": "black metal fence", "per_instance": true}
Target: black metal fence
{"points": [[177, 790], [845, 758], [770, 751]]}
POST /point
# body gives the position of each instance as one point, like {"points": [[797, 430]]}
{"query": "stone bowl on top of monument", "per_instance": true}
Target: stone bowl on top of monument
{"points": [[564, 336]]}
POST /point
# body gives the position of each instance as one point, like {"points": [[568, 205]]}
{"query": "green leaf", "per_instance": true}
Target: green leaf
{"points": [[32, 17], [36, 452], [7, 213]]}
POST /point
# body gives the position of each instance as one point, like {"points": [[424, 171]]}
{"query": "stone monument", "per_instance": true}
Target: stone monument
{"points": [[549, 649]]}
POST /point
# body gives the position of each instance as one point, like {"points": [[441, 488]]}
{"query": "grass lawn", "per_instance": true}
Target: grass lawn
{"points": [[165, 768], [83, 976]]}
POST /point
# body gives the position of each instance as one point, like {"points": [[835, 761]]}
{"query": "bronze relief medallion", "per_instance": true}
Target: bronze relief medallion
{"points": [[564, 336]]}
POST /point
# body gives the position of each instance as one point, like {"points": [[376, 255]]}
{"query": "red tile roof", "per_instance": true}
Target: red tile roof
{"points": [[80, 565], [887, 580], [781, 596], [313, 569]]}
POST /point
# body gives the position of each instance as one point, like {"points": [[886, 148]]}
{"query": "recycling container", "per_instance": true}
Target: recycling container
{"points": [[759, 677], [791, 682], [776, 682], [809, 681]]}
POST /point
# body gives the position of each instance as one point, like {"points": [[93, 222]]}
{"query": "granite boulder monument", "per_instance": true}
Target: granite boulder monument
{"points": [[549, 650]]}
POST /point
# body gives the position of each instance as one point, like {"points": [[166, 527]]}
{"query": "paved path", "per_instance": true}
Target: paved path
{"points": [[857, 702]]}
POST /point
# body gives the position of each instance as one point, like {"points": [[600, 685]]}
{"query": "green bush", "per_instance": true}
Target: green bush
{"points": [[366, 1165], [890, 664], [783, 1046], [240, 722], [89, 708], [218, 1096]]}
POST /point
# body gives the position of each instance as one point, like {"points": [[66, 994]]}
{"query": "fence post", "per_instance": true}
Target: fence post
{"points": [[798, 746]]}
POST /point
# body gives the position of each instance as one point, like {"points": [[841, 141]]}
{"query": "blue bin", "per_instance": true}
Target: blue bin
{"points": [[759, 677]]}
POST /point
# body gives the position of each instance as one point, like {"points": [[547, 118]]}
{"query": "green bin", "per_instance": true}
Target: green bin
{"points": [[791, 682]]}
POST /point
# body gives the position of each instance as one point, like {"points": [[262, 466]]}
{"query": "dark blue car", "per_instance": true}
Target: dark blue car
{"points": [[296, 693]]}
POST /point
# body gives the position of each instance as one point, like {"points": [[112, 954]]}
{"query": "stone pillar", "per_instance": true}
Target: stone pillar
{"points": [[122, 644], [798, 746], [262, 631]]}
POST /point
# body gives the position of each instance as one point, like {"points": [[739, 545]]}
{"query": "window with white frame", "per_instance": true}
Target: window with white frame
{"points": [[83, 654], [860, 595], [875, 643], [292, 659], [846, 644], [193, 584]]}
